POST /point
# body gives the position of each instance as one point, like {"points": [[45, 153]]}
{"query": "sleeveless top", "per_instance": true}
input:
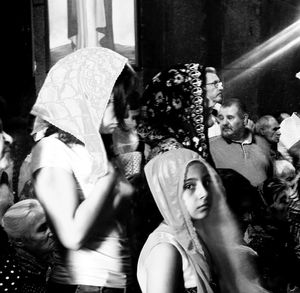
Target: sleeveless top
{"points": [[105, 259], [164, 235]]}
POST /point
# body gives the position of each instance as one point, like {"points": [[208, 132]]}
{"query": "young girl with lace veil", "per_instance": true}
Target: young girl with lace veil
{"points": [[197, 247], [83, 193]]}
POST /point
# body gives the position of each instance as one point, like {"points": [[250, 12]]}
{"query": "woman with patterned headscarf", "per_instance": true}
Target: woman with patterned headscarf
{"points": [[84, 96], [197, 247], [176, 110]]}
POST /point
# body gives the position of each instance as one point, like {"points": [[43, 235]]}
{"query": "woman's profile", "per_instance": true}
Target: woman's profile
{"points": [[83, 98]]}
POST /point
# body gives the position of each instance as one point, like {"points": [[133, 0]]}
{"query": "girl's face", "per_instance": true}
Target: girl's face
{"points": [[196, 191], [109, 121]]}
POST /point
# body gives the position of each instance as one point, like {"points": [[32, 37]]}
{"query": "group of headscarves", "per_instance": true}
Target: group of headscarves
{"points": [[174, 114]]}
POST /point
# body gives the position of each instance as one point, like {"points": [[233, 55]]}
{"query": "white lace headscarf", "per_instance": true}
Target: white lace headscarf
{"points": [[75, 95]]}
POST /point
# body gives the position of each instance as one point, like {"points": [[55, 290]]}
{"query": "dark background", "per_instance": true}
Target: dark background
{"points": [[212, 32]]}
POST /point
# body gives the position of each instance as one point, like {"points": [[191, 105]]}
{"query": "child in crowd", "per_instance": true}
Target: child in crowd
{"points": [[197, 247]]}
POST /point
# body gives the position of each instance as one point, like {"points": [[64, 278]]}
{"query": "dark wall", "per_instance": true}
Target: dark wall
{"points": [[230, 35], [267, 84], [17, 78], [279, 90], [173, 31], [218, 33]]}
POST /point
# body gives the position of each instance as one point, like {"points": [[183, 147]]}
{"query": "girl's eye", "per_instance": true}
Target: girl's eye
{"points": [[189, 186]]}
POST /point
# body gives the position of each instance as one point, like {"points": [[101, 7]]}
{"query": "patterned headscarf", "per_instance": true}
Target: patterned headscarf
{"points": [[173, 106], [75, 95]]}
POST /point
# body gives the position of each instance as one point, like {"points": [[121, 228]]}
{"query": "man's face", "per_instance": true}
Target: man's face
{"points": [[232, 125], [272, 132], [214, 88]]}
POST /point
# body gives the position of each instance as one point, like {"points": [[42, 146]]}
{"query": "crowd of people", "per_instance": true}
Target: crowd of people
{"points": [[170, 189]]}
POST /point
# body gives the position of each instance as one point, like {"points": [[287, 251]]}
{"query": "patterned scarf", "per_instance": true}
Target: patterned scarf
{"points": [[174, 112], [74, 98]]}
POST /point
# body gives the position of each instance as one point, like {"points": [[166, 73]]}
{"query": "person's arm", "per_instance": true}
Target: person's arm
{"points": [[164, 270], [56, 190]]}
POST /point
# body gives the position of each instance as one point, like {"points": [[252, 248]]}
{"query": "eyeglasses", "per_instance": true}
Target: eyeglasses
{"points": [[216, 83]]}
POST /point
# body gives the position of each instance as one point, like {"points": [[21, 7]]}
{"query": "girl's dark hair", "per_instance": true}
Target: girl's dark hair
{"points": [[125, 85], [63, 136]]}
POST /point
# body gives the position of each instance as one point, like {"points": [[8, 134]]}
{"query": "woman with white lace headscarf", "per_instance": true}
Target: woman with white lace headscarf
{"points": [[84, 96]]}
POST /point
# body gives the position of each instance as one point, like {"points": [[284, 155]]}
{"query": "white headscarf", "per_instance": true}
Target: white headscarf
{"points": [[75, 95], [165, 176]]}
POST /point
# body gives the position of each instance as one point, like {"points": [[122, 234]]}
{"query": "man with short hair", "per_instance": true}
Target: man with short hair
{"points": [[237, 148], [214, 87], [268, 128]]}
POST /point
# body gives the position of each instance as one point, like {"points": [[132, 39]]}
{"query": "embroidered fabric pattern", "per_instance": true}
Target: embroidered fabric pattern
{"points": [[173, 106]]}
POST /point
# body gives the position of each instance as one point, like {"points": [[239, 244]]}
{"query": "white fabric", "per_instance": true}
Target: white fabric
{"points": [[290, 131], [51, 152], [90, 17], [214, 130], [154, 239], [75, 95], [105, 259]]}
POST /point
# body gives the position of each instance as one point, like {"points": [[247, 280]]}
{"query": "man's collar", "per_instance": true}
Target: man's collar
{"points": [[250, 138]]}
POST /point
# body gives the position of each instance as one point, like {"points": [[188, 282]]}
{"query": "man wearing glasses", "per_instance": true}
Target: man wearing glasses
{"points": [[214, 89]]}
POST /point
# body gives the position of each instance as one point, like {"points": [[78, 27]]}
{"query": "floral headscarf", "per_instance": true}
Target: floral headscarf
{"points": [[173, 106], [75, 95]]}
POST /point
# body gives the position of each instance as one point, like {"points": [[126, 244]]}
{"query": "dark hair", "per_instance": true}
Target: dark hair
{"points": [[241, 196], [63, 136], [272, 188], [124, 86], [242, 110]]}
